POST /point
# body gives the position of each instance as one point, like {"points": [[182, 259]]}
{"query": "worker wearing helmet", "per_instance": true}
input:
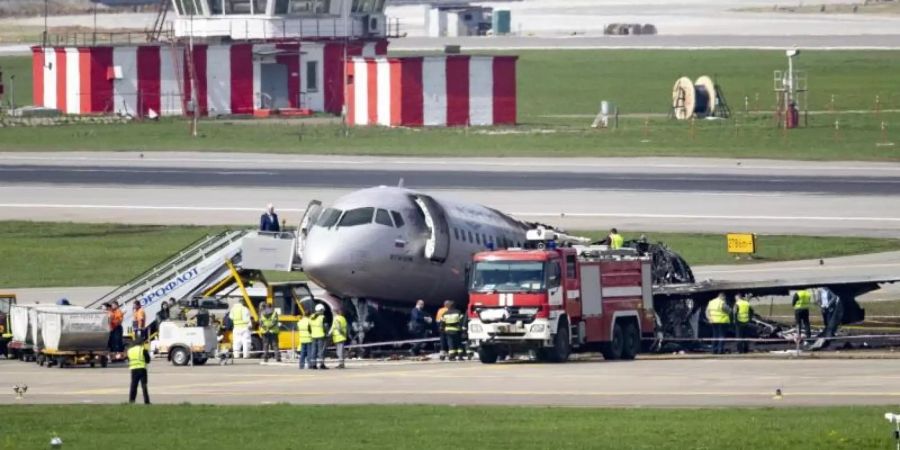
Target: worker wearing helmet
{"points": [[438, 317], [305, 337], [338, 333], [317, 332], [451, 327], [240, 333]]}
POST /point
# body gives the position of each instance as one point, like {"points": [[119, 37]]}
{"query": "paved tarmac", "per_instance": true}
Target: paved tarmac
{"points": [[673, 382], [662, 194], [325, 178]]}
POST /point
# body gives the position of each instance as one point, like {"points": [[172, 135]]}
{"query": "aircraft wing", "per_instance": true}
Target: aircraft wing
{"points": [[847, 288]]}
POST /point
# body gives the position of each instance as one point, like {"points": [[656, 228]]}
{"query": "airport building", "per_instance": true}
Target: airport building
{"points": [[255, 57]]}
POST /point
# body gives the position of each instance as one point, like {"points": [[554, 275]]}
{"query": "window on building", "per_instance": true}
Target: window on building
{"points": [[358, 216], [282, 6], [259, 6], [215, 6], [312, 76], [398, 219]]}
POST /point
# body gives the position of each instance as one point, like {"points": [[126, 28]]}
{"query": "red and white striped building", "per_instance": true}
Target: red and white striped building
{"points": [[238, 78], [447, 90]]}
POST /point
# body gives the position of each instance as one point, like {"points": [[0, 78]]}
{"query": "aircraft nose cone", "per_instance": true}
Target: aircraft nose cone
{"points": [[323, 261]]}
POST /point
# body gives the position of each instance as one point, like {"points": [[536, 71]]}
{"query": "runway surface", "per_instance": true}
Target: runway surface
{"points": [[314, 177], [672, 382], [648, 194]]}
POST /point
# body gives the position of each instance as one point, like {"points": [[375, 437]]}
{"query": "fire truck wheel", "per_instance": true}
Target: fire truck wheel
{"points": [[487, 355], [632, 342], [613, 350], [561, 346]]}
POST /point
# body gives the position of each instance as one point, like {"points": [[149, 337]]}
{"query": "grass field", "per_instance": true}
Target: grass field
{"points": [[45, 254], [556, 106], [440, 427]]}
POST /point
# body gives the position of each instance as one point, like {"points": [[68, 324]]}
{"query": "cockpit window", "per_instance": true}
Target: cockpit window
{"points": [[358, 216], [329, 218], [383, 218], [398, 219]]}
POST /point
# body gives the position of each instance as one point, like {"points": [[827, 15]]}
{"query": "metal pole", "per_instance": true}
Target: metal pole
{"points": [[46, 12], [194, 98]]}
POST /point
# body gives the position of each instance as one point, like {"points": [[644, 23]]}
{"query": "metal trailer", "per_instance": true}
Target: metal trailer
{"points": [[62, 358], [185, 345]]}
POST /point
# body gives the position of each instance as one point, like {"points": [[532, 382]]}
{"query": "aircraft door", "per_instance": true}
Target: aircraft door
{"points": [[313, 210], [437, 247]]}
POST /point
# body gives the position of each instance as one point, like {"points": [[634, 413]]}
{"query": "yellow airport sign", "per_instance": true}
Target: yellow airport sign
{"points": [[744, 243]]}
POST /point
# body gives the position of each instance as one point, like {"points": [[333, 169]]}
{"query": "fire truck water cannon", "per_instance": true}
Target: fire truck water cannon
{"points": [[557, 298], [545, 237]]}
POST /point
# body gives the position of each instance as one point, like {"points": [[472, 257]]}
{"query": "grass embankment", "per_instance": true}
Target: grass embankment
{"points": [[45, 254], [556, 107], [416, 427]]}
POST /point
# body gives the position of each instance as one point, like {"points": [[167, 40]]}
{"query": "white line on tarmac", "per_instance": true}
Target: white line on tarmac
{"points": [[500, 162], [529, 214], [843, 266]]}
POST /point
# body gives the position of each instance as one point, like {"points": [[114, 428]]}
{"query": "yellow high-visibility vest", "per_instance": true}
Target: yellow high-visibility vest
{"points": [[339, 329], [743, 311], [616, 241], [715, 311], [269, 324], [317, 326], [303, 330], [804, 298], [451, 321], [237, 316], [136, 357]]}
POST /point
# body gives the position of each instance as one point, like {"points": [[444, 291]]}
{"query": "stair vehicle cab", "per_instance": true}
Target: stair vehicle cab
{"points": [[560, 295]]}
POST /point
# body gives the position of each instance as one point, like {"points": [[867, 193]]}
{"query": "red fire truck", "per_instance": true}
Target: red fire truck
{"points": [[559, 298]]}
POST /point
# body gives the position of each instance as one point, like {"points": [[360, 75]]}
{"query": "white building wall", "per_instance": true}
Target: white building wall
{"points": [[49, 77], [384, 91], [73, 82], [171, 81], [218, 79], [313, 99], [481, 90], [125, 87], [434, 90], [361, 92]]}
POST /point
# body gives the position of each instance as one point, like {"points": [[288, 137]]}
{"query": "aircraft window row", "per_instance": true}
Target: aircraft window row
{"points": [[500, 242]]}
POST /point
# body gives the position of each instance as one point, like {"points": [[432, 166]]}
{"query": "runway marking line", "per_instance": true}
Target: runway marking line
{"points": [[525, 393]]}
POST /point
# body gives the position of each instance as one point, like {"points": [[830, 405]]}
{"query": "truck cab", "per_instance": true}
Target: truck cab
{"points": [[6, 303], [553, 300]]}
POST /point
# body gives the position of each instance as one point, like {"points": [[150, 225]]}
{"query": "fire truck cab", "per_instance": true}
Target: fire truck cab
{"points": [[560, 297]]}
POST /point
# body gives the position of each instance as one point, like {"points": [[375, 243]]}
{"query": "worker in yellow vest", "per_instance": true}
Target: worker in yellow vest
{"points": [[801, 301], [305, 337], [437, 319], [743, 313], [718, 314], [240, 330], [269, 327], [451, 326], [138, 358], [317, 332], [338, 333], [615, 239]]}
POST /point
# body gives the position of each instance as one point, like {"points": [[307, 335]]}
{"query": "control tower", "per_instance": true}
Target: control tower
{"points": [[264, 20]]}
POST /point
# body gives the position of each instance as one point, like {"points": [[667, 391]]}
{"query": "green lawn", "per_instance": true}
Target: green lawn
{"points": [[440, 427], [556, 104], [45, 254]]}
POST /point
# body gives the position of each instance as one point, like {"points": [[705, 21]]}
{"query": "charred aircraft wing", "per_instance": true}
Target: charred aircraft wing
{"points": [[847, 288]]}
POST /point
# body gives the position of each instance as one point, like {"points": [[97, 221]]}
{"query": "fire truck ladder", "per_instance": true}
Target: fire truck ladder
{"points": [[184, 259]]}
